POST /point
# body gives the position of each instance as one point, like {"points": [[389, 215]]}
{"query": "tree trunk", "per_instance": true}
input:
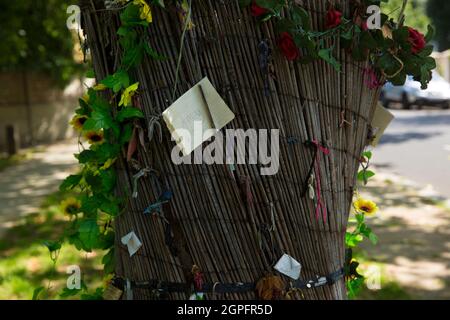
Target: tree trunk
{"points": [[213, 223]]}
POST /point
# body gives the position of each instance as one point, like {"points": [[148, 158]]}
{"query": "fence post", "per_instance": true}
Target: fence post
{"points": [[11, 141]]}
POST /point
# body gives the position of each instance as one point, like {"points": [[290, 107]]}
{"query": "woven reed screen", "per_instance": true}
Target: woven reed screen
{"points": [[213, 222]]}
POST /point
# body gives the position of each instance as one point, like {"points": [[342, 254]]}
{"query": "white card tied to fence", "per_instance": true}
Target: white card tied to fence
{"points": [[289, 267], [132, 242], [381, 120], [196, 116]]}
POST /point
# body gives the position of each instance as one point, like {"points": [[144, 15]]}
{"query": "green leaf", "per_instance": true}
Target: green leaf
{"points": [[110, 207], [67, 293], [117, 81], [52, 246], [108, 180], [327, 55], [88, 233], [70, 182], [128, 113], [367, 154], [108, 262], [152, 53], [37, 292], [365, 175], [430, 33], [373, 238], [86, 156], [106, 151]]}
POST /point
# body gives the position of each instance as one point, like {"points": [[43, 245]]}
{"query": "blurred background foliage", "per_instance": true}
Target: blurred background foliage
{"points": [[439, 12], [415, 12], [34, 37]]}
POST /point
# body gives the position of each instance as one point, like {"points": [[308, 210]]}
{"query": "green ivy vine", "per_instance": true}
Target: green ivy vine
{"points": [[106, 114]]}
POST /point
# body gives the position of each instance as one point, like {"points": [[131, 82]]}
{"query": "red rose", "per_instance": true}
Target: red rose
{"points": [[257, 10], [364, 26], [416, 39], [287, 46], [333, 19]]}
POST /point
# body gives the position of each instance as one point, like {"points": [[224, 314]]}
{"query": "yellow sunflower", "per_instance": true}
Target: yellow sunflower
{"points": [[365, 206], [100, 87], [85, 98], [145, 11], [78, 121], [95, 137], [71, 206]]}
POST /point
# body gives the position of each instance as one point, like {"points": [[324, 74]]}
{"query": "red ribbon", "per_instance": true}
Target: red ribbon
{"points": [[320, 205]]}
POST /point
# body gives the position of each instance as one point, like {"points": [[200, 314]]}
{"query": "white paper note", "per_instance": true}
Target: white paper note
{"points": [[196, 116], [132, 242], [289, 267], [381, 120]]}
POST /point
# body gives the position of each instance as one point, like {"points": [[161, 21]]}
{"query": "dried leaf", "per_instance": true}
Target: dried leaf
{"points": [[270, 288], [132, 146]]}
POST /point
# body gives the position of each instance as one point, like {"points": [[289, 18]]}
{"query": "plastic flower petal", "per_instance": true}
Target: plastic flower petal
{"points": [[95, 137], [100, 87], [145, 11], [78, 121], [365, 206], [128, 94], [71, 206]]}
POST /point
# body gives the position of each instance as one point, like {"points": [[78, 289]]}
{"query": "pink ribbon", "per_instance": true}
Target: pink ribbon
{"points": [[320, 205]]}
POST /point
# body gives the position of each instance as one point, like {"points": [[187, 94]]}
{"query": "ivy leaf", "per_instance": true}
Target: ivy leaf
{"points": [[117, 81], [430, 33], [90, 205], [129, 112], [37, 292], [373, 238], [89, 233], [110, 207], [67, 293], [108, 180], [86, 156], [152, 53], [327, 55], [108, 262], [365, 175], [70, 182], [107, 151], [52, 246], [133, 56], [367, 154]]}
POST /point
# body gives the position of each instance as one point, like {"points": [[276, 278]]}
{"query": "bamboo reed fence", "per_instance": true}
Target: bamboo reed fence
{"points": [[213, 222]]}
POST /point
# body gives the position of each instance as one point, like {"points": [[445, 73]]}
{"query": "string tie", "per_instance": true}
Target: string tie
{"points": [[320, 207], [154, 126]]}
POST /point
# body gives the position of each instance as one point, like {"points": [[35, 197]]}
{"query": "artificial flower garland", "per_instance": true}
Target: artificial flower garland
{"points": [[395, 51]]}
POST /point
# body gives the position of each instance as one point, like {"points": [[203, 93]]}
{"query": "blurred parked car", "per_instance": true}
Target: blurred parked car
{"points": [[410, 94]]}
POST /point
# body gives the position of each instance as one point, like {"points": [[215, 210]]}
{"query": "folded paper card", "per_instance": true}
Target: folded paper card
{"points": [[289, 267], [196, 116], [132, 242], [381, 120]]}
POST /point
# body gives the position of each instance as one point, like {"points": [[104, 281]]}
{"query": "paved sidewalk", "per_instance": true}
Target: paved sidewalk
{"points": [[413, 226], [24, 186]]}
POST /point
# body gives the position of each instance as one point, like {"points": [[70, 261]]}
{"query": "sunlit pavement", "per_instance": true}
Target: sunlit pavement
{"points": [[417, 146], [24, 186]]}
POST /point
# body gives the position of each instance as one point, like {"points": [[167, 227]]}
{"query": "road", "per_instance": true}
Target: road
{"points": [[417, 146]]}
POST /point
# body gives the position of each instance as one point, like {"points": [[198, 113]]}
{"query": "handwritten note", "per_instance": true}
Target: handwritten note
{"points": [[196, 116]]}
